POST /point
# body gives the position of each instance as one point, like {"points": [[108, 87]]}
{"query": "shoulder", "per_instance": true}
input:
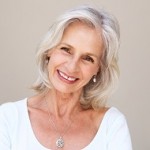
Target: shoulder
{"points": [[117, 131], [11, 105], [11, 109], [113, 114], [112, 119], [109, 115], [10, 114], [115, 122]]}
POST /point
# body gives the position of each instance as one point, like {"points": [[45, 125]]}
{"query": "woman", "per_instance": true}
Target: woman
{"points": [[78, 71]]}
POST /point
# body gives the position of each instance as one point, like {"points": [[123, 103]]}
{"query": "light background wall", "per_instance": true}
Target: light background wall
{"points": [[24, 22]]}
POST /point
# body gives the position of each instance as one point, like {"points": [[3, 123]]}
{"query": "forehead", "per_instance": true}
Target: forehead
{"points": [[82, 25], [82, 35], [83, 31]]}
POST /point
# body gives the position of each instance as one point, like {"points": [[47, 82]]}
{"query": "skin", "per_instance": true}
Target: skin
{"points": [[72, 64]]}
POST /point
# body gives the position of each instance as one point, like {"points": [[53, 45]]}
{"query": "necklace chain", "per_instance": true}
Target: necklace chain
{"points": [[60, 141]]}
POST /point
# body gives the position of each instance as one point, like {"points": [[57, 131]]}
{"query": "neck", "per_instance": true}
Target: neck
{"points": [[63, 105]]}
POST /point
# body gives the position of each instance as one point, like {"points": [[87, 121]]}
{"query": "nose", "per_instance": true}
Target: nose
{"points": [[73, 65]]}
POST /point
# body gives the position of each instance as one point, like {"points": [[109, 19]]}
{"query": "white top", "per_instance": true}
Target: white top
{"points": [[16, 132]]}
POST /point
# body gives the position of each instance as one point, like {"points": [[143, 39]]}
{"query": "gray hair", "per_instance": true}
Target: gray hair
{"points": [[94, 94]]}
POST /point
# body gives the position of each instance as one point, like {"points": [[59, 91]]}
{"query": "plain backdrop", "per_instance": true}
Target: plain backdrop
{"points": [[24, 22]]}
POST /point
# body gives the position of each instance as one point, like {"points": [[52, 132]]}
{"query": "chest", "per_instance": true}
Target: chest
{"points": [[74, 136]]}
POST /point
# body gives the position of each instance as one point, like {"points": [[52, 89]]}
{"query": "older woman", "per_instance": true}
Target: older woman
{"points": [[78, 71]]}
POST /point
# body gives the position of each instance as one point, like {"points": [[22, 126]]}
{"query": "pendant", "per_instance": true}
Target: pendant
{"points": [[60, 142]]}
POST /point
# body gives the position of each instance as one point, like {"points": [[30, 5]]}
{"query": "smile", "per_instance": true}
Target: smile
{"points": [[67, 77]]}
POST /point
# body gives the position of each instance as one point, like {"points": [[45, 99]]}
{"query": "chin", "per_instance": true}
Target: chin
{"points": [[63, 90], [66, 90]]}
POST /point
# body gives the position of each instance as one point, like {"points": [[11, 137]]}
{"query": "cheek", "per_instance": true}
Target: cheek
{"points": [[89, 71], [56, 59]]}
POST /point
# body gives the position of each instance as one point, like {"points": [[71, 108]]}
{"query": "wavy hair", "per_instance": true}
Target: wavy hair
{"points": [[94, 94]]}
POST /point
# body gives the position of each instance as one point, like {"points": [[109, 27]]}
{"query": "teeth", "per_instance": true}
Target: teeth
{"points": [[71, 79], [66, 77]]}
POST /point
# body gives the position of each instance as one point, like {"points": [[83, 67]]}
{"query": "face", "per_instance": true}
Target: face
{"points": [[75, 60]]}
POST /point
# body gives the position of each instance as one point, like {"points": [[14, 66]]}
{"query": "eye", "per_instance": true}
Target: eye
{"points": [[66, 49], [88, 58]]}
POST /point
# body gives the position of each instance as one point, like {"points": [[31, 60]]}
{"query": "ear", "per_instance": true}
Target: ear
{"points": [[48, 54], [47, 59]]}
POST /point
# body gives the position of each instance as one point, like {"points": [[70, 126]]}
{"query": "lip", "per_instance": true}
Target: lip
{"points": [[66, 78]]}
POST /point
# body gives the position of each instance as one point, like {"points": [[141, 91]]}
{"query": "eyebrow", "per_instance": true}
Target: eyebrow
{"points": [[93, 55], [65, 44]]}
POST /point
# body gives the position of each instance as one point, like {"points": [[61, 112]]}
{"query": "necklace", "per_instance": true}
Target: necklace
{"points": [[59, 141]]}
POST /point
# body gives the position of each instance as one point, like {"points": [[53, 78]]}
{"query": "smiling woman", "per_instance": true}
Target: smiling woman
{"points": [[107, 32], [78, 71]]}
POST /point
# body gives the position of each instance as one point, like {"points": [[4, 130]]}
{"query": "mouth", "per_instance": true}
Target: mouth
{"points": [[66, 77]]}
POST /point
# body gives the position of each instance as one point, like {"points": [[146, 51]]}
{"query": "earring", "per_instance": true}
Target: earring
{"points": [[94, 78]]}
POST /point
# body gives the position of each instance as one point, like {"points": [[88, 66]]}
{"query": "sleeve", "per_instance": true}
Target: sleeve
{"points": [[5, 142], [119, 136]]}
